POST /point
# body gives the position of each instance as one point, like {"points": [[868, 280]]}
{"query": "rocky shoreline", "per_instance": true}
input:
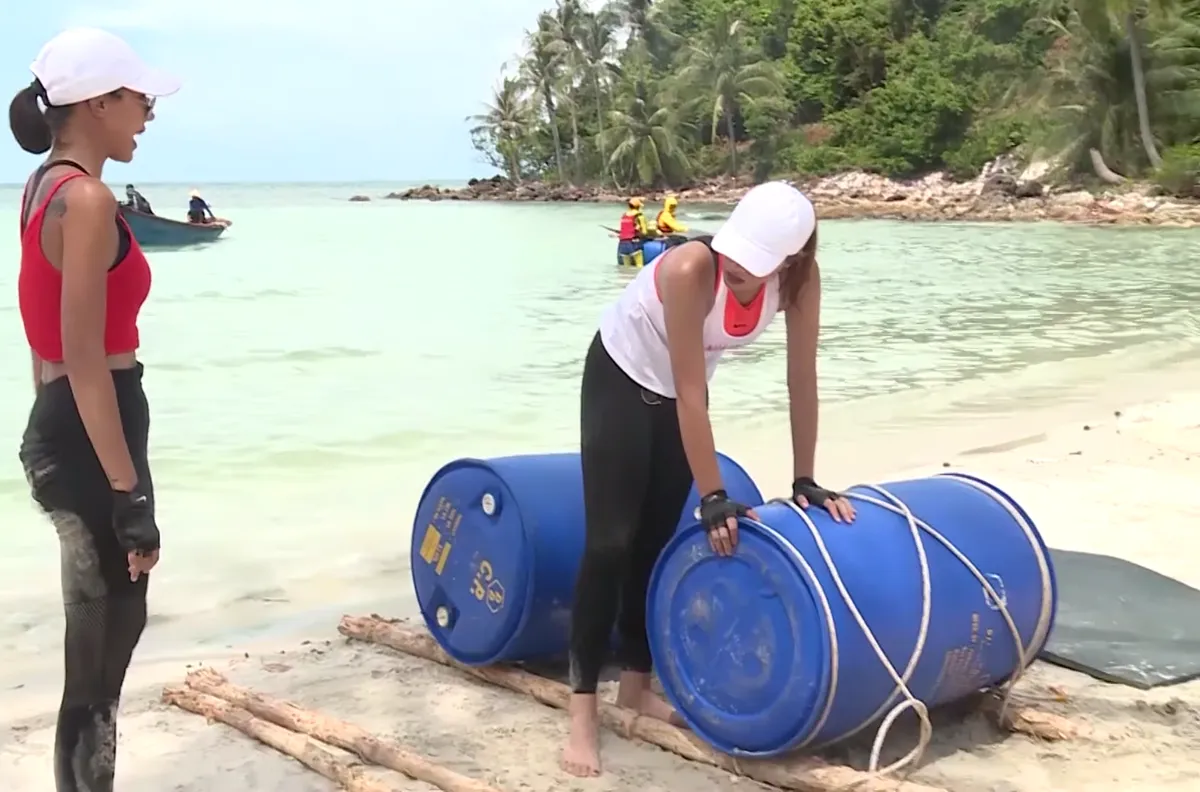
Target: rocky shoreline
{"points": [[998, 194]]}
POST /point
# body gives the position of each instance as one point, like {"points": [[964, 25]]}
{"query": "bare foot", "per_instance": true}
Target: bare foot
{"points": [[634, 693], [581, 755]]}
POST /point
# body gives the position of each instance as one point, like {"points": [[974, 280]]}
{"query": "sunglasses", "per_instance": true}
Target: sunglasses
{"points": [[147, 102]]}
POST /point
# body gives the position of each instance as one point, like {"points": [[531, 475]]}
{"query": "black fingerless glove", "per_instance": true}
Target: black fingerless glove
{"points": [[716, 508], [133, 522], [815, 494]]}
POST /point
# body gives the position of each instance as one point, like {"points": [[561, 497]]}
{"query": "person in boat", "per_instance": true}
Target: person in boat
{"points": [[136, 201], [198, 209], [646, 435], [666, 222], [83, 280], [632, 234]]}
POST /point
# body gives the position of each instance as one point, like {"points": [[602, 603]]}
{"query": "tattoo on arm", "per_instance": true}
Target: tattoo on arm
{"points": [[57, 206]]}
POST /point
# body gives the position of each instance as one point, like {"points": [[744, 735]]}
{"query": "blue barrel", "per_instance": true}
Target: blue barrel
{"points": [[496, 546], [652, 249], [761, 655]]}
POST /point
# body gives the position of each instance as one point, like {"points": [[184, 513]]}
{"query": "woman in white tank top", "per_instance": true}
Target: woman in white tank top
{"points": [[645, 431]]}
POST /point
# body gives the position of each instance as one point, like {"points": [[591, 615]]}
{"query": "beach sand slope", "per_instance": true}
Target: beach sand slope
{"points": [[1125, 485]]}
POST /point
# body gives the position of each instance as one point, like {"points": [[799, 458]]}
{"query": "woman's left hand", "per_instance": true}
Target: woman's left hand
{"points": [[806, 492]]}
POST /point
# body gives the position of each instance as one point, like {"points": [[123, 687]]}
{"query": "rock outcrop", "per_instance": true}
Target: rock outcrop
{"points": [[1003, 191]]}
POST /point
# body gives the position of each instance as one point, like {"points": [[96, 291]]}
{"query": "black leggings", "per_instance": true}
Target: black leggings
{"points": [[105, 612], [636, 480]]}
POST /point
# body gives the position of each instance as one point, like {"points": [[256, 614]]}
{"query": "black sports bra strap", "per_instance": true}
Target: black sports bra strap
{"points": [[39, 176], [53, 163]]}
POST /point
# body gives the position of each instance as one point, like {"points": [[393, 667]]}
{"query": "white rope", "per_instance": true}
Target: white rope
{"points": [[1025, 654]]}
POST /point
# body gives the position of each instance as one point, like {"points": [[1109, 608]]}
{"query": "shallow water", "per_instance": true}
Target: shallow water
{"points": [[310, 371]]}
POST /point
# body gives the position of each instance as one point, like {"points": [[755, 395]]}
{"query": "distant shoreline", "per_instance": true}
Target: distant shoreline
{"points": [[989, 198]]}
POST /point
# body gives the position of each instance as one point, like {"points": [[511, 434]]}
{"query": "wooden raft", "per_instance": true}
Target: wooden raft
{"points": [[801, 773]]}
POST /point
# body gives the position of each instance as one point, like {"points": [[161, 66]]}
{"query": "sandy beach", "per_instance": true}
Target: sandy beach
{"points": [[1115, 482]]}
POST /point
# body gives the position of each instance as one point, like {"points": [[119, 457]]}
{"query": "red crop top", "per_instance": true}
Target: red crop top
{"points": [[39, 288]]}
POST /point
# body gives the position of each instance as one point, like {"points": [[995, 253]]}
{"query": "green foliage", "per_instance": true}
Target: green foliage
{"points": [[1180, 171], [765, 88], [981, 143]]}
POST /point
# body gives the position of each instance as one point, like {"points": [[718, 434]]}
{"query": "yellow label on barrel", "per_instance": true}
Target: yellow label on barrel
{"points": [[429, 545], [441, 564]]}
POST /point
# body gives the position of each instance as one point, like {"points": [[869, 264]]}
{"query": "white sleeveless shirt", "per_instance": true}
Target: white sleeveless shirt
{"points": [[634, 333]]}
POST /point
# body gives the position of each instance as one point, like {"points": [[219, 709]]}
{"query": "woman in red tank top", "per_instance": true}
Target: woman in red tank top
{"points": [[82, 282]]}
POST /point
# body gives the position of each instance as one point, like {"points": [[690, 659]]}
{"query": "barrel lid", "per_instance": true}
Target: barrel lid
{"points": [[741, 644], [471, 562]]}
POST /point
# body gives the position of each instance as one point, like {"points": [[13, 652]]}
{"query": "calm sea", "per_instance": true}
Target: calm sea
{"points": [[308, 372]]}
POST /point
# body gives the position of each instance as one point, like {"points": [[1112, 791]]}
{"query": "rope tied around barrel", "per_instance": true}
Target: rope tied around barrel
{"points": [[1025, 654]]}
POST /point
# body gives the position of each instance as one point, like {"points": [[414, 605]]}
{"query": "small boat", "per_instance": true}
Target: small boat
{"points": [[152, 231]]}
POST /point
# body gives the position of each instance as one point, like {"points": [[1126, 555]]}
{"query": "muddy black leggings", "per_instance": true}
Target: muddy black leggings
{"points": [[636, 480], [105, 612]]}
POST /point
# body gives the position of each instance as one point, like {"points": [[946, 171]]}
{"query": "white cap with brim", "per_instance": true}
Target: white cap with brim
{"points": [[772, 221], [84, 63]]}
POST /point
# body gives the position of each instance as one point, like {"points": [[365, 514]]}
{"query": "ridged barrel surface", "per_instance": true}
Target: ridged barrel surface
{"points": [[496, 547], [761, 655]]}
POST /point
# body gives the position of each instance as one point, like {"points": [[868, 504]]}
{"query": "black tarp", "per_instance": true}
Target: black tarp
{"points": [[1123, 623]]}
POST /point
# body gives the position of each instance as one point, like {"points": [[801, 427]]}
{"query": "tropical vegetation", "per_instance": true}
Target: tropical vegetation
{"points": [[660, 93]]}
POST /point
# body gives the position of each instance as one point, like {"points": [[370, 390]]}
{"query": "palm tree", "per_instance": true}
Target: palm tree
{"points": [[723, 72], [597, 44], [1130, 18], [646, 29], [504, 122], [1129, 12], [565, 26], [643, 135], [541, 71], [634, 15], [1175, 54], [1087, 97]]}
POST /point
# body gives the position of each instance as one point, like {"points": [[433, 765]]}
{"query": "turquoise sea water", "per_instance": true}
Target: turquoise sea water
{"points": [[308, 372]]}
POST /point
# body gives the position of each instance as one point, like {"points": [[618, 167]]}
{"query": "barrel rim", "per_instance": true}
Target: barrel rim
{"points": [[745, 474], [826, 672], [475, 660], [1037, 533]]}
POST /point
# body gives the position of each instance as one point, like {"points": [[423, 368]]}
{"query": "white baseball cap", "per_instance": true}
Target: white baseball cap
{"points": [[772, 221], [83, 63]]}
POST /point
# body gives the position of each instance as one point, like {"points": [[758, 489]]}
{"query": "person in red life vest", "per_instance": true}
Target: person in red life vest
{"points": [[83, 280], [633, 231], [645, 432]]}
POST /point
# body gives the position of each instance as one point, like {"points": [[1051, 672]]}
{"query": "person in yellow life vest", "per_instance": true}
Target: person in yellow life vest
{"points": [[633, 232], [667, 224]]}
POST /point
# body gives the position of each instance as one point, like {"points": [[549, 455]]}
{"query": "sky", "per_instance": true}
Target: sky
{"points": [[293, 90]]}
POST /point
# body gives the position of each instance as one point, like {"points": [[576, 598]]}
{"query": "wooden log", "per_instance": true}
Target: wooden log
{"points": [[312, 754], [1031, 722], [800, 773], [370, 747]]}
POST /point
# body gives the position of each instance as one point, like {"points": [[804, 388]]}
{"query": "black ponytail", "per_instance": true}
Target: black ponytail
{"points": [[34, 128]]}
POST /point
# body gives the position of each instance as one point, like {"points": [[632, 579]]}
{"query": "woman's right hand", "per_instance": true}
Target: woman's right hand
{"points": [[141, 563], [720, 515], [136, 530]]}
